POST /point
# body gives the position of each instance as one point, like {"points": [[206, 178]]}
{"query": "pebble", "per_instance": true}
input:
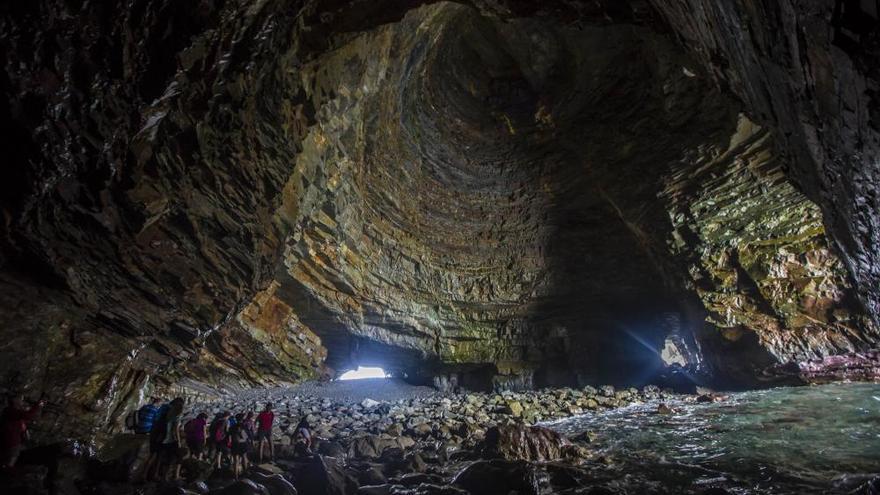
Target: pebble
{"points": [[459, 418]]}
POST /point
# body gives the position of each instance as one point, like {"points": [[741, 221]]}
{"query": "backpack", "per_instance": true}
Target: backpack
{"points": [[235, 433], [217, 432], [157, 434], [189, 429]]}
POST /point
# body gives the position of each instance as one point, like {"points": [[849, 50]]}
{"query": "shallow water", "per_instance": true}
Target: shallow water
{"points": [[819, 439]]}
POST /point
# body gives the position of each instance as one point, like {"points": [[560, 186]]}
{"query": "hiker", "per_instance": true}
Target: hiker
{"points": [[264, 431], [240, 445], [157, 435], [146, 416], [171, 441], [211, 441], [13, 428], [302, 437], [250, 425], [194, 431], [220, 437]]}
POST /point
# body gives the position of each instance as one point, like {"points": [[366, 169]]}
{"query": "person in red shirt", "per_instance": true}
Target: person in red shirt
{"points": [[264, 431], [13, 428]]}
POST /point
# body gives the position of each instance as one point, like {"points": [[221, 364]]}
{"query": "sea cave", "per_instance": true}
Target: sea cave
{"points": [[561, 247]]}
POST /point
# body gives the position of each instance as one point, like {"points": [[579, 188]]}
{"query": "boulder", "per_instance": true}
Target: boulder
{"points": [[414, 463], [194, 470], [395, 429], [323, 476], [275, 484], [515, 408], [414, 479], [242, 487], [530, 443], [372, 446], [422, 429], [498, 477], [369, 403], [268, 469], [372, 475], [121, 459], [331, 449], [384, 489]]}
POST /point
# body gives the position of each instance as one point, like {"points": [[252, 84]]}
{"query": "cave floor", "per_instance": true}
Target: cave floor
{"points": [[382, 436]]}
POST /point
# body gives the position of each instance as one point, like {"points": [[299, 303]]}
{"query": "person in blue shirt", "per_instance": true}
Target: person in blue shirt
{"points": [[147, 416]]}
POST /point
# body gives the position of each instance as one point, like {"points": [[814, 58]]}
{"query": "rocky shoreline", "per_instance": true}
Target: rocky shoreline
{"points": [[477, 443], [415, 441]]}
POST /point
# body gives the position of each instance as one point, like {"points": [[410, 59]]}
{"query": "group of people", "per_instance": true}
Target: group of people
{"points": [[231, 438], [234, 437]]}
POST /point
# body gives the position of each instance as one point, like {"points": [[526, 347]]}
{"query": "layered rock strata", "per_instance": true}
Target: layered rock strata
{"points": [[226, 194]]}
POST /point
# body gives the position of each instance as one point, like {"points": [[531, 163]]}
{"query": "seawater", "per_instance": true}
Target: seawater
{"points": [[812, 439]]}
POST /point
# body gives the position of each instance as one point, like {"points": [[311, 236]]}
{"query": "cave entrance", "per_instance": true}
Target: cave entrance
{"points": [[364, 372]]}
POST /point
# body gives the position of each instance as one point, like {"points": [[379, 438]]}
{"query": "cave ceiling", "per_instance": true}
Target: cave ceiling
{"points": [[231, 193]]}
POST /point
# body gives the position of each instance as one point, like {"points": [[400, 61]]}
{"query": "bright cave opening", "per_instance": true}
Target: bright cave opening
{"points": [[364, 372]]}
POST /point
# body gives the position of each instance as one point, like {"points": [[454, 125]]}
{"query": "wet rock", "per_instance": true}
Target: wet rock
{"points": [[710, 397], [663, 408], [870, 487], [414, 463], [563, 476], [586, 437], [243, 487], [498, 477], [372, 446], [428, 489], [375, 490], [323, 476], [331, 449], [413, 479], [194, 470], [275, 484], [268, 469], [372, 476], [520, 442]]}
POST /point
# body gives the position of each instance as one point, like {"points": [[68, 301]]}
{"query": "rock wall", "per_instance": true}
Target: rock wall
{"points": [[759, 259], [233, 193]]}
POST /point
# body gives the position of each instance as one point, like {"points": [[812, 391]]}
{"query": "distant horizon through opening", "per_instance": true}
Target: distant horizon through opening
{"points": [[364, 372]]}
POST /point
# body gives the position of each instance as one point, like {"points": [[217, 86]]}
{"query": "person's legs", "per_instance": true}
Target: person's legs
{"points": [[153, 465], [9, 456], [161, 469]]}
